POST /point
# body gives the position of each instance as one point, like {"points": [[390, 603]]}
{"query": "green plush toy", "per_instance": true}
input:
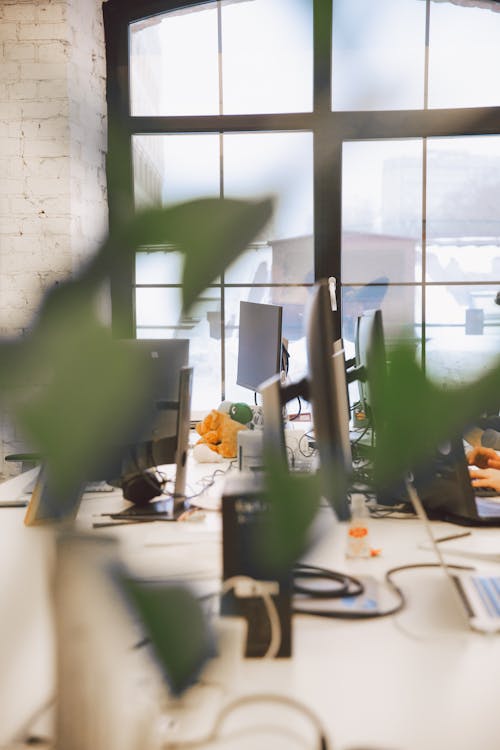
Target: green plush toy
{"points": [[241, 412]]}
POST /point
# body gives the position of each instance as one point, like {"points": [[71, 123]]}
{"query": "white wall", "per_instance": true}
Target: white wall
{"points": [[53, 207]]}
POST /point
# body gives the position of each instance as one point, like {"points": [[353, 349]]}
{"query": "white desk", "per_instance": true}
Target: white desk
{"points": [[416, 681]]}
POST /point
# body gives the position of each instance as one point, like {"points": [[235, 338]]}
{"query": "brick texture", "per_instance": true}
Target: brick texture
{"points": [[52, 156]]}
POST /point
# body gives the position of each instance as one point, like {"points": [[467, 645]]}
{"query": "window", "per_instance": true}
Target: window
{"points": [[377, 127]]}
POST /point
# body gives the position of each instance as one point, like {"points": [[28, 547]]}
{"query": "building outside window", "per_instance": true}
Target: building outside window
{"points": [[376, 127]]}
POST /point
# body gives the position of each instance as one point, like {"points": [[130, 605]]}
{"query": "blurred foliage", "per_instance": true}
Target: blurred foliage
{"points": [[77, 395], [78, 408], [211, 232], [293, 501], [414, 415], [176, 627]]}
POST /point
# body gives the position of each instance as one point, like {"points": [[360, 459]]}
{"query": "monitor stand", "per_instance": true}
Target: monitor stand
{"points": [[170, 507]]}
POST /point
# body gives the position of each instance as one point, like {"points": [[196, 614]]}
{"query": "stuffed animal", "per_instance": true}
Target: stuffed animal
{"points": [[220, 433]]}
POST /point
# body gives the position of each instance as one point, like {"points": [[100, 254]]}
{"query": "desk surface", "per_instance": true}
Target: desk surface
{"points": [[419, 680]]}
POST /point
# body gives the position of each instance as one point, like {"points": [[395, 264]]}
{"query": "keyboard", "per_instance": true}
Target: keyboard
{"points": [[486, 492], [488, 588], [101, 486]]}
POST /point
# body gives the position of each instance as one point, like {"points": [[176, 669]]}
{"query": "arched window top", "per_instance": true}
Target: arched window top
{"points": [[246, 57]]}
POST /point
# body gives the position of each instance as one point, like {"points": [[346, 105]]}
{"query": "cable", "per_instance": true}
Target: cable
{"points": [[272, 612], [343, 590], [248, 700], [297, 415], [209, 481], [391, 571], [306, 436], [22, 734], [401, 512], [452, 536], [361, 435], [349, 586], [285, 358]]}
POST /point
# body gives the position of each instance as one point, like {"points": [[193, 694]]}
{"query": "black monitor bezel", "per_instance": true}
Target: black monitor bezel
{"points": [[328, 395]]}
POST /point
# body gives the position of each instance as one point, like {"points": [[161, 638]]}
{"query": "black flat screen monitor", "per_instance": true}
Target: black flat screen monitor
{"points": [[166, 357], [273, 433], [259, 348], [162, 439], [370, 353], [138, 484], [165, 439], [328, 395]]}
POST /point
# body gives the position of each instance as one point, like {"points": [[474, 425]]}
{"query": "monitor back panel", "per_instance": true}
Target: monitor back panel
{"points": [[168, 357]]}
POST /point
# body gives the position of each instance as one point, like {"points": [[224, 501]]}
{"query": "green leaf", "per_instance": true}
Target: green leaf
{"points": [[85, 394], [293, 501], [211, 232], [174, 621], [416, 415], [218, 234], [88, 395]]}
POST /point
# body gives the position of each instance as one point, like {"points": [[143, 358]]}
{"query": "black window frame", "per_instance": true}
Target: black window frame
{"points": [[330, 130]]}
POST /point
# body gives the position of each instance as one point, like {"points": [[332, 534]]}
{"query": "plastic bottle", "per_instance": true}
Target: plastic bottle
{"points": [[358, 531]]}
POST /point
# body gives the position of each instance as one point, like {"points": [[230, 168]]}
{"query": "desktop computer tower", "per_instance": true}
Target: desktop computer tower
{"points": [[244, 515]]}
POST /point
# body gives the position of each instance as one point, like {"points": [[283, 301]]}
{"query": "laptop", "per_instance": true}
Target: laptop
{"points": [[478, 592], [446, 490], [12, 490]]}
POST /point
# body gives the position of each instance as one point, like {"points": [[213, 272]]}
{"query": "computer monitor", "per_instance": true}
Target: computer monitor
{"points": [[160, 449], [139, 484], [273, 433], [260, 343], [370, 353], [328, 395], [166, 358], [162, 439]]}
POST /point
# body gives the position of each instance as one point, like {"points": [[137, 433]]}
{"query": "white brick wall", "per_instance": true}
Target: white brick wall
{"points": [[53, 207]]}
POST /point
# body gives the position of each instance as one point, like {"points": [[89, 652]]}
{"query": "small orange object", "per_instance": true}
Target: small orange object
{"points": [[375, 552], [358, 531]]}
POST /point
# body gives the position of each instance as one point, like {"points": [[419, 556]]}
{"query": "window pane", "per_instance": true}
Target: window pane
{"points": [[401, 311], [173, 168], [159, 316], [147, 159], [266, 59], [170, 169], [401, 317], [158, 267], [184, 167], [267, 56], [381, 211], [174, 63], [463, 222], [293, 301], [159, 308], [462, 331], [378, 54], [464, 56], [277, 164]]}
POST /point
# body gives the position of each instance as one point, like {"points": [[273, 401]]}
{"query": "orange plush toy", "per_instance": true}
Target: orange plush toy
{"points": [[220, 433]]}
